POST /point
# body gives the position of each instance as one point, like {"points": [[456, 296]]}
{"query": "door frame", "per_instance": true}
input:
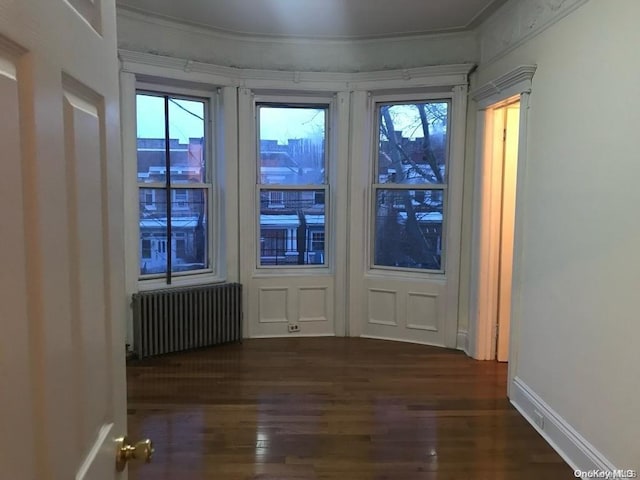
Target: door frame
{"points": [[514, 85]]}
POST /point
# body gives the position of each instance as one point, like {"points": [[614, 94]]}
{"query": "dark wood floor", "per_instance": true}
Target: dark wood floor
{"points": [[331, 408]]}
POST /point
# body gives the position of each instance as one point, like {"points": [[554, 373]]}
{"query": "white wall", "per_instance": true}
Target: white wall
{"points": [[146, 34], [578, 315]]}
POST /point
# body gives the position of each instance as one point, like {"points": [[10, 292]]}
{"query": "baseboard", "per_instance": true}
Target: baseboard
{"points": [[462, 342], [569, 444], [294, 335], [403, 340]]}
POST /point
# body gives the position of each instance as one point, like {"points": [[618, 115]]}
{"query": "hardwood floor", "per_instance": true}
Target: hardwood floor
{"points": [[331, 408]]}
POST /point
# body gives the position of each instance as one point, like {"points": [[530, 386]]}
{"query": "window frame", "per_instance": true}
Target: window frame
{"points": [[295, 101], [210, 187], [375, 186]]}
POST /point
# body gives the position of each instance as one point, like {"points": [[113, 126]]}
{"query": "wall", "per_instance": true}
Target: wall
{"points": [[163, 37], [577, 311]]}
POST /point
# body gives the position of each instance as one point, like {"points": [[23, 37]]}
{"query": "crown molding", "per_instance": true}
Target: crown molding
{"points": [[160, 66], [517, 81], [518, 21]]}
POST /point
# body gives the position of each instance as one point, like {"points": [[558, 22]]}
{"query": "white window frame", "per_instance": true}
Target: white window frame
{"points": [[408, 98], [295, 100], [210, 274]]}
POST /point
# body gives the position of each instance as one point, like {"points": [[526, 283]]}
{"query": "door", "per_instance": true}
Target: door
{"points": [[62, 301]]}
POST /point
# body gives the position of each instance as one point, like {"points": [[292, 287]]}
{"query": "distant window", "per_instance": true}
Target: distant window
{"points": [[410, 184], [146, 248], [180, 198], [292, 182], [181, 248], [149, 199], [276, 199], [174, 183], [317, 241]]}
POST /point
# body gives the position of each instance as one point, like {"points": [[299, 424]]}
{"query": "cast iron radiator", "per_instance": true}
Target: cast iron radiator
{"points": [[177, 319]]}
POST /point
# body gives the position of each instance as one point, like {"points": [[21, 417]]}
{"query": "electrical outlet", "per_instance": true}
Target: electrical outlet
{"points": [[539, 419], [294, 327]]}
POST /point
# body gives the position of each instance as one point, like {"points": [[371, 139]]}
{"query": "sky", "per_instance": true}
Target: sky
{"points": [[276, 123], [185, 118]]}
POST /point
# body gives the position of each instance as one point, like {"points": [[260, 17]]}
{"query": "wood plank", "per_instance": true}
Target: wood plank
{"points": [[334, 409]]}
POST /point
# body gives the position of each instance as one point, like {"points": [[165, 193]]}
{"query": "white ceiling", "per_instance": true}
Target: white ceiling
{"points": [[329, 19]]}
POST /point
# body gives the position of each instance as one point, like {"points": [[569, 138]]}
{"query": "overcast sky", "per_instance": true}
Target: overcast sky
{"points": [[276, 123]]}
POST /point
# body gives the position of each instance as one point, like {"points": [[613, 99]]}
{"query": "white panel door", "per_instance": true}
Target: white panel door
{"points": [[62, 303]]}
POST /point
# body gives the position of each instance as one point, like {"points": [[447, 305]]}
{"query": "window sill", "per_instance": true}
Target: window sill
{"points": [[179, 281]]}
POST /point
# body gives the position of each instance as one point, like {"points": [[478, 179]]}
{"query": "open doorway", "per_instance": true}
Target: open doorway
{"points": [[506, 123], [501, 140]]}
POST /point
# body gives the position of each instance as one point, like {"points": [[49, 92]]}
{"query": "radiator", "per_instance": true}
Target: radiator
{"points": [[173, 320]]}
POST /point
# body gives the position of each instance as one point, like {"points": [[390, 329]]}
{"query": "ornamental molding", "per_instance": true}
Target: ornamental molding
{"points": [[518, 21], [159, 66], [517, 81]]}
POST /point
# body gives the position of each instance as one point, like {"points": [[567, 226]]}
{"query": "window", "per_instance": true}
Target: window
{"points": [[291, 182], [149, 200], [174, 183], [276, 199], [146, 248], [317, 241], [180, 198], [410, 184]]}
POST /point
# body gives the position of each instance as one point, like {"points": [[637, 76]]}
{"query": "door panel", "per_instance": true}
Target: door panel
{"points": [[304, 301], [62, 297], [402, 310], [16, 402]]}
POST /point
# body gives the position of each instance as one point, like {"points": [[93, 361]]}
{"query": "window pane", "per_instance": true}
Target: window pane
{"points": [[292, 145], [186, 139], [292, 227], [408, 228], [189, 230], [151, 138], [412, 142], [153, 231], [186, 130]]}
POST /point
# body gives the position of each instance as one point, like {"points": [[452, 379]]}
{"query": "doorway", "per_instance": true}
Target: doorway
{"points": [[505, 138], [492, 277]]}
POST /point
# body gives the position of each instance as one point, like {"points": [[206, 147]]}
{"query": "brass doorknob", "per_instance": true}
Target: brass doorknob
{"points": [[125, 451]]}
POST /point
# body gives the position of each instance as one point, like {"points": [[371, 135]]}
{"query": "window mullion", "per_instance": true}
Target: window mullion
{"points": [[167, 148]]}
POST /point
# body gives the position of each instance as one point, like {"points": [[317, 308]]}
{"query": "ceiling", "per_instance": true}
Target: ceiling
{"points": [[326, 19]]}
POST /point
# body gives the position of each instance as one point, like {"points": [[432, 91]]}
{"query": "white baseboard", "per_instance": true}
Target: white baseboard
{"points": [[403, 340], [294, 335], [569, 444], [462, 342]]}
